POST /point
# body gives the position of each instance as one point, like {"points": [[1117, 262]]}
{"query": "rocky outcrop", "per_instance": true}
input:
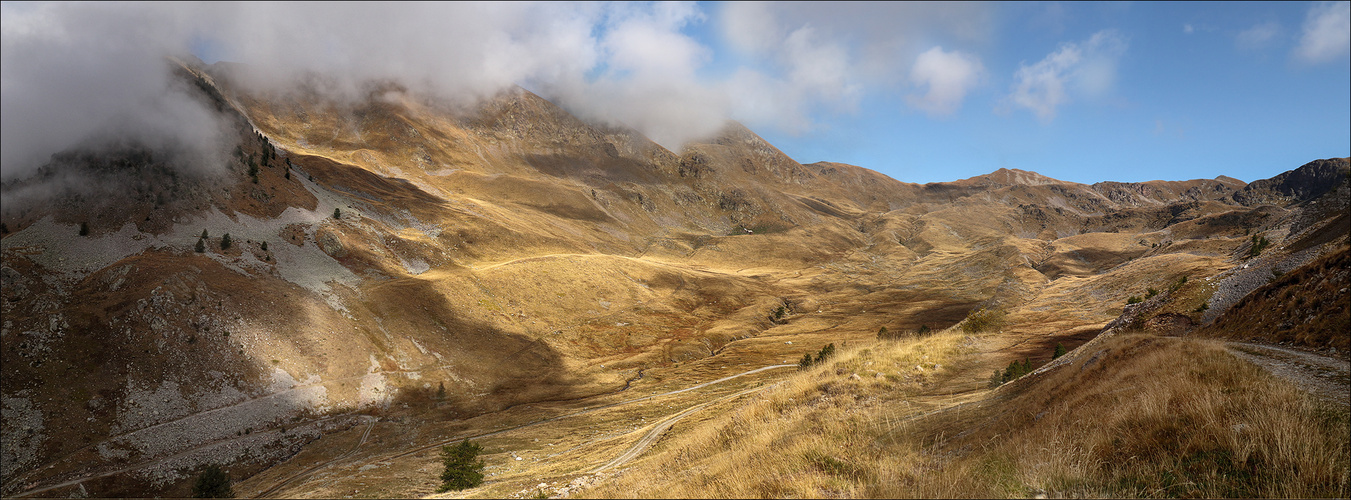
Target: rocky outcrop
{"points": [[1299, 185]]}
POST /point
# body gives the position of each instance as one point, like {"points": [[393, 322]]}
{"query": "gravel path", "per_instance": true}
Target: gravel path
{"points": [[1325, 377]]}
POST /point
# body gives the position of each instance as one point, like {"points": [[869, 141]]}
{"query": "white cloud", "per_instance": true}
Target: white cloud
{"points": [[1086, 69], [74, 70], [948, 76], [71, 75], [1327, 33], [815, 57], [1258, 36], [1188, 29]]}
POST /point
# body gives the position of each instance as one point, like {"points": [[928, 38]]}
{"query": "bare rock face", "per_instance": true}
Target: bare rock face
{"points": [[1170, 324], [1305, 183]]}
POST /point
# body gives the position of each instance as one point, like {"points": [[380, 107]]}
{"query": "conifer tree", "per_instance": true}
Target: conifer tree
{"points": [[463, 469]]}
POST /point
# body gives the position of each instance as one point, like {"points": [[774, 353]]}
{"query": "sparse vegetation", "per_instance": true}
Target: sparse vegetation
{"points": [[1150, 293], [1259, 243], [213, 483], [1177, 285], [806, 361], [826, 353], [1134, 299], [984, 320], [463, 469]]}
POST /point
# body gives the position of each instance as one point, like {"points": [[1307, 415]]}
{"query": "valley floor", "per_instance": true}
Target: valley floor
{"points": [[915, 417]]}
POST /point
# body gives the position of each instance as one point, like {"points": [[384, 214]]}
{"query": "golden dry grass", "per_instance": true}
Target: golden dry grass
{"points": [[1137, 416]]}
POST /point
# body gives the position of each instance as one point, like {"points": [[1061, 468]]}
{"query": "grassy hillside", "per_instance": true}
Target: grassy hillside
{"points": [[1128, 416]]}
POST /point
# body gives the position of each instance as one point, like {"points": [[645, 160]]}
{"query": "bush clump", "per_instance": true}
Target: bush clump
{"points": [[1013, 371], [825, 353], [983, 320], [213, 483]]}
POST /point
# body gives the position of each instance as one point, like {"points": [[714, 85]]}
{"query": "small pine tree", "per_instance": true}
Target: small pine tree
{"points": [[201, 246], [204, 236], [463, 469], [225, 242], [1059, 350], [84, 229], [213, 483], [923, 329], [826, 352], [441, 391], [264, 246], [337, 213]]}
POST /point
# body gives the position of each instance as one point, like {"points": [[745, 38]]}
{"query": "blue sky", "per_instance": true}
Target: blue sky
{"points": [[922, 92], [1199, 90]]}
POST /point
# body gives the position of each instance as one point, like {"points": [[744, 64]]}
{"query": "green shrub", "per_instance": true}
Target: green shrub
{"points": [[1059, 350], [1151, 293], [923, 329], [463, 469], [213, 483], [1134, 300]]}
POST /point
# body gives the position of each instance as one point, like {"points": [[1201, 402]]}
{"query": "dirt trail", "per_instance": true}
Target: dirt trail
{"points": [[1323, 376], [661, 427], [310, 470], [316, 468]]}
